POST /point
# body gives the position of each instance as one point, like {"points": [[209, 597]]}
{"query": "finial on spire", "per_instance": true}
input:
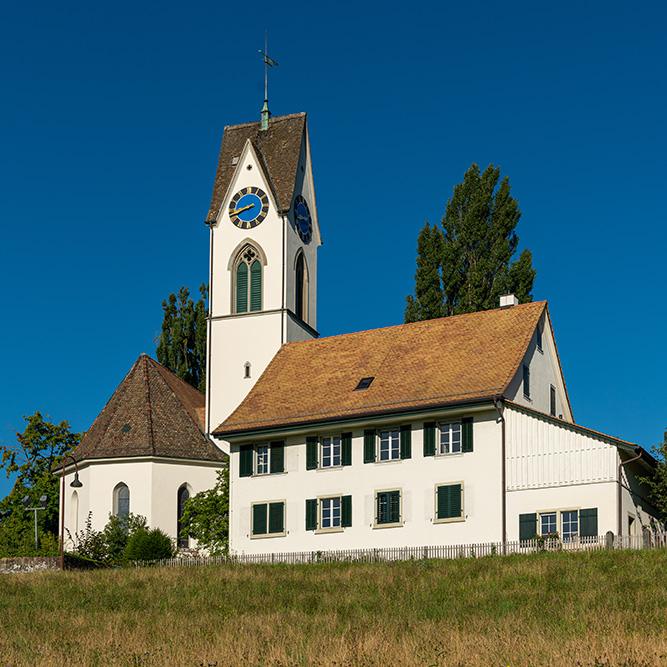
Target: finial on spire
{"points": [[266, 114]]}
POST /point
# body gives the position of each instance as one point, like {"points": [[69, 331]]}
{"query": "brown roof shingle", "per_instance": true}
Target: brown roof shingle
{"points": [[152, 413], [432, 363], [278, 148]]}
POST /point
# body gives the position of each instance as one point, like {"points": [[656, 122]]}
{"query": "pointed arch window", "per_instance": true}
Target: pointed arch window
{"points": [[301, 288], [183, 496], [121, 500], [248, 279]]}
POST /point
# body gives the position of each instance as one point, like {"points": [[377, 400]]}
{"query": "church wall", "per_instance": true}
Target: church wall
{"points": [[416, 478]]}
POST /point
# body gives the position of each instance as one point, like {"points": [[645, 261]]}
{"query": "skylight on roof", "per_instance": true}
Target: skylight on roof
{"points": [[364, 383]]}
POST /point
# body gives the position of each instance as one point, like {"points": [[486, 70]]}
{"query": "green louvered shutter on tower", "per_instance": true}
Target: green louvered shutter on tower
{"points": [[276, 517], [245, 460], [346, 511], [311, 514], [527, 526], [311, 452], [255, 286], [259, 519], [588, 522], [369, 445], [346, 452], [466, 435], [406, 441], [277, 457], [449, 501], [242, 288], [429, 439]]}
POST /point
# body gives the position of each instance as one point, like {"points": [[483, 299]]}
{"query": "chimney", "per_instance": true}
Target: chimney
{"points": [[508, 300]]}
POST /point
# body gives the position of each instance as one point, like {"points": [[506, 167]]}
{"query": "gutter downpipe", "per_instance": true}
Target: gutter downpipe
{"points": [[620, 487], [503, 474]]}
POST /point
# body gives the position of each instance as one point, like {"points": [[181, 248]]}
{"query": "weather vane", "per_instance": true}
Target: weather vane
{"points": [[266, 114]]}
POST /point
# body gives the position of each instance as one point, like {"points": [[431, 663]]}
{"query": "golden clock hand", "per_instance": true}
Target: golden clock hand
{"points": [[245, 208]]}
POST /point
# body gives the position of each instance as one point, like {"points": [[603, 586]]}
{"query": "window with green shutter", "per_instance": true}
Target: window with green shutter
{"points": [[429, 439], [346, 511], [311, 452], [311, 514], [449, 502], [259, 515], [466, 434], [388, 507], [588, 522], [347, 449], [256, 286], [276, 518], [527, 526], [242, 288], [369, 446], [277, 457]]}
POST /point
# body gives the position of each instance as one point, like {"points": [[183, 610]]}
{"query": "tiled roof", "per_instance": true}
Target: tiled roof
{"points": [[152, 413], [420, 365], [278, 148]]}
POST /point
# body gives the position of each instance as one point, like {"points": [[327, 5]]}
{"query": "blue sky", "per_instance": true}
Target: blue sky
{"points": [[112, 121]]}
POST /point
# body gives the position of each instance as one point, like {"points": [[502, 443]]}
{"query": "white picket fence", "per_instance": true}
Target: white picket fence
{"points": [[440, 551]]}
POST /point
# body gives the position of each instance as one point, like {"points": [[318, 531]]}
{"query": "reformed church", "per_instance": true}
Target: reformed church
{"points": [[445, 432]]}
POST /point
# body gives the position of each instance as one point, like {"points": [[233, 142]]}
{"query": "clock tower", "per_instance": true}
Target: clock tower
{"points": [[263, 256]]}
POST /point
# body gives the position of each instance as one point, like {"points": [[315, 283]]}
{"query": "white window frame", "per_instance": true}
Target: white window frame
{"points": [[440, 432], [394, 444], [321, 528], [559, 522], [262, 460], [333, 446]]}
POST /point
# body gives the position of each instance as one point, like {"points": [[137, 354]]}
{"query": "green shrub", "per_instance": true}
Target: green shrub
{"points": [[149, 545]]}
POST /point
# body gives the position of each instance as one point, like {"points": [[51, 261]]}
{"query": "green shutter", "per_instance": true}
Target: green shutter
{"points": [[346, 458], [588, 522], [346, 511], [394, 506], [449, 501], [466, 435], [256, 286], [527, 526], [245, 460], [311, 514], [311, 452], [406, 441], [429, 439], [369, 446], [276, 517], [242, 288], [277, 457], [259, 519]]}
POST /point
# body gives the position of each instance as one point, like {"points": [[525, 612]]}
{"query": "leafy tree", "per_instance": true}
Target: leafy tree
{"points": [[109, 544], [657, 483], [181, 345], [206, 516], [147, 544], [465, 266], [39, 449]]}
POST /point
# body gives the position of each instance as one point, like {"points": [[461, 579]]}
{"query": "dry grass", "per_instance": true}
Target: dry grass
{"points": [[549, 609]]}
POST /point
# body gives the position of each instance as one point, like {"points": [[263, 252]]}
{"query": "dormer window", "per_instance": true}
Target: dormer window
{"points": [[364, 383]]}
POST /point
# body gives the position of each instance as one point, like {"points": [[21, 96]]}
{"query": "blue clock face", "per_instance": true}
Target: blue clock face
{"points": [[248, 207], [303, 222]]}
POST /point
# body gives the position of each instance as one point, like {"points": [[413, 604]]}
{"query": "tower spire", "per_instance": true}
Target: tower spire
{"points": [[266, 114]]}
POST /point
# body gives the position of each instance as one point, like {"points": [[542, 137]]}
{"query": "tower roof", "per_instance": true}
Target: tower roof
{"points": [[152, 413], [278, 148], [416, 366]]}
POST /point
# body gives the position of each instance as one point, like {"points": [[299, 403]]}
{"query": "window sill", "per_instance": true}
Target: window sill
{"points": [[324, 531], [458, 519], [267, 536], [399, 524]]}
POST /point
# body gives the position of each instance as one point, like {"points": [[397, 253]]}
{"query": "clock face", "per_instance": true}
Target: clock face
{"points": [[304, 224], [248, 207]]}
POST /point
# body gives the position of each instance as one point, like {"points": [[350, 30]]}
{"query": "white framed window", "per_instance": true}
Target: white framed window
{"points": [[331, 451], [568, 524], [548, 523], [121, 500], [390, 446], [261, 459], [450, 438], [267, 519], [329, 513]]}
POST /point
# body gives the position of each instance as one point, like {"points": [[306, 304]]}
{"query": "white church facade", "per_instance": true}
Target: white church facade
{"points": [[450, 431]]}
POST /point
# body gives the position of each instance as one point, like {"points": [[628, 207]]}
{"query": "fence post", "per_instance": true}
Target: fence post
{"points": [[609, 540]]}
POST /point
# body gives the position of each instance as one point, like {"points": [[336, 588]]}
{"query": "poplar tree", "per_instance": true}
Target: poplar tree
{"points": [[466, 265], [181, 345]]}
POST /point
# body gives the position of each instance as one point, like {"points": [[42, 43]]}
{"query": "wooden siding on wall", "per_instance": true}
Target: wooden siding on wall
{"points": [[542, 454]]}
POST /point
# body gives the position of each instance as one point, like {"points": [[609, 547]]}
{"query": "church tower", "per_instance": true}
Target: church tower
{"points": [[263, 255]]}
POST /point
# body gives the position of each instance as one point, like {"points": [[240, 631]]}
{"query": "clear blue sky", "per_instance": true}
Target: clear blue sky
{"points": [[112, 116]]}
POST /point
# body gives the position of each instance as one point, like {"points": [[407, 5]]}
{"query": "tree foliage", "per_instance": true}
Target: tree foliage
{"points": [[109, 544], [466, 265], [181, 345], [657, 483], [38, 450], [146, 544], [206, 516]]}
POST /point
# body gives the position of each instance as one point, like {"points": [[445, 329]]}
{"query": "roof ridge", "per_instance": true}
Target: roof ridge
{"points": [[149, 413], [273, 119]]}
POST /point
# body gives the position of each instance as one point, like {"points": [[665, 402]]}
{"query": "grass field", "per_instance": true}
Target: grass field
{"points": [[602, 608]]}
